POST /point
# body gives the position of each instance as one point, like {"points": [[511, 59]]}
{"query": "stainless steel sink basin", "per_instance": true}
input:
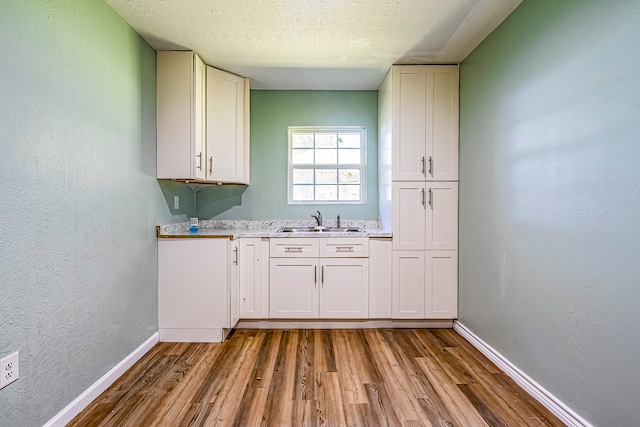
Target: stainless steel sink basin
{"points": [[320, 230]]}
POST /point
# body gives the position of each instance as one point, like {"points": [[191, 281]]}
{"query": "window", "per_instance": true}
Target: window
{"points": [[327, 164]]}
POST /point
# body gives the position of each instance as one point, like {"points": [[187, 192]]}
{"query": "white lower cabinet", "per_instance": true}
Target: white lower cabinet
{"points": [[344, 288], [197, 290], [316, 287], [425, 285], [408, 285], [254, 278], [293, 288], [234, 283], [380, 278]]}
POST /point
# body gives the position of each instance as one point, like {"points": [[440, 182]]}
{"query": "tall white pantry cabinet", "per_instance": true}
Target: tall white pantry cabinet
{"points": [[418, 137]]}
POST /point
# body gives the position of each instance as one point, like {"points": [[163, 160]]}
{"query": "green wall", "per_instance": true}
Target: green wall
{"points": [[550, 200], [271, 114], [79, 200]]}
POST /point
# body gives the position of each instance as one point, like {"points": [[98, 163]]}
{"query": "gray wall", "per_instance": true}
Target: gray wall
{"points": [[272, 111], [550, 200], [78, 199]]}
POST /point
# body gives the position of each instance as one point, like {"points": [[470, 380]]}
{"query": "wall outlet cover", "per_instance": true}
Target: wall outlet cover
{"points": [[9, 369]]}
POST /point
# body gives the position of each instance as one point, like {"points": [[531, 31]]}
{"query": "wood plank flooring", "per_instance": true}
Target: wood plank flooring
{"points": [[372, 377]]}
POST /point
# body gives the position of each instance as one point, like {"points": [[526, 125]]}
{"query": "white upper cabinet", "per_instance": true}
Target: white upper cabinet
{"points": [[409, 119], [441, 156], [227, 127], [425, 123], [181, 121], [203, 121]]}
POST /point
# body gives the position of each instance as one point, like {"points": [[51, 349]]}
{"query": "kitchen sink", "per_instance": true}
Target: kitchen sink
{"points": [[321, 230]]}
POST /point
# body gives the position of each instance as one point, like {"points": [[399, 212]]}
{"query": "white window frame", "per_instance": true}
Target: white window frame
{"points": [[362, 166]]}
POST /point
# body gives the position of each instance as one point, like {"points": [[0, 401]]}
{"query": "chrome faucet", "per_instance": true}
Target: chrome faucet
{"points": [[318, 218]]}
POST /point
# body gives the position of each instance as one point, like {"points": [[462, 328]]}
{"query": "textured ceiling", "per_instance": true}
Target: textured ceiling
{"points": [[316, 44]]}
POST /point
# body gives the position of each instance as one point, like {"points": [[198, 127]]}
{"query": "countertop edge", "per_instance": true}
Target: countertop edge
{"points": [[213, 233]]}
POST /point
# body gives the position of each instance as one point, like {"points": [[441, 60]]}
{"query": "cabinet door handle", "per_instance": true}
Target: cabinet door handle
{"points": [[293, 249], [211, 165], [344, 249], [235, 256], [323, 276], [315, 276], [431, 198], [423, 166], [431, 166], [423, 197], [199, 156]]}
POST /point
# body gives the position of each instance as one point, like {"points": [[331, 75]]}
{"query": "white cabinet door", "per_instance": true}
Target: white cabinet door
{"points": [[425, 216], [425, 113], [181, 125], [234, 284], [193, 302], [425, 285], [409, 114], [293, 288], [441, 287], [409, 215], [251, 275], [442, 123], [442, 215], [408, 290], [226, 148], [344, 288], [380, 278]]}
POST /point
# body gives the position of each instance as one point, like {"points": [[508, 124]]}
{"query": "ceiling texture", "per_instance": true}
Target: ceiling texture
{"points": [[316, 44]]}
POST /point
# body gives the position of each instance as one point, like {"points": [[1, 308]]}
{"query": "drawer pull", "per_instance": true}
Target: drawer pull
{"points": [[344, 249], [293, 249]]}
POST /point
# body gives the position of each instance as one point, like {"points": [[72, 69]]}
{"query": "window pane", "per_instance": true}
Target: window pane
{"points": [[349, 157], [349, 140], [302, 192], [349, 176], [328, 157], [326, 164], [350, 192], [301, 157], [326, 176], [326, 192], [302, 140], [326, 140], [303, 176]]}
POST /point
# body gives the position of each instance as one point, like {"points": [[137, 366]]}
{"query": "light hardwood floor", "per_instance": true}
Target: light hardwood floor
{"points": [[375, 377]]}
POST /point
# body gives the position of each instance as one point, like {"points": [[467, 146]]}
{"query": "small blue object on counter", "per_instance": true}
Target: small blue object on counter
{"points": [[193, 225]]}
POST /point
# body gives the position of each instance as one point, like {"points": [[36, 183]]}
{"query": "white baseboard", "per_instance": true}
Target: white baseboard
{"points": [[341, 324], [552, 403], [192, 335], [89, 395]]}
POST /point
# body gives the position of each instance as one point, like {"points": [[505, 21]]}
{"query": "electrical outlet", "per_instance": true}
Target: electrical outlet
{"points": [[9, 369], [176, 202]]}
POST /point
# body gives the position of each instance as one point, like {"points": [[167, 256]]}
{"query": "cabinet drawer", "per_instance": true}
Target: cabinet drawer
{"points": [[293, 247], [348, 247]]}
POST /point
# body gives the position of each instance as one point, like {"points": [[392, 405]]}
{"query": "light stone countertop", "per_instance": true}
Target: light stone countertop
{"points": [[236, 229]]}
